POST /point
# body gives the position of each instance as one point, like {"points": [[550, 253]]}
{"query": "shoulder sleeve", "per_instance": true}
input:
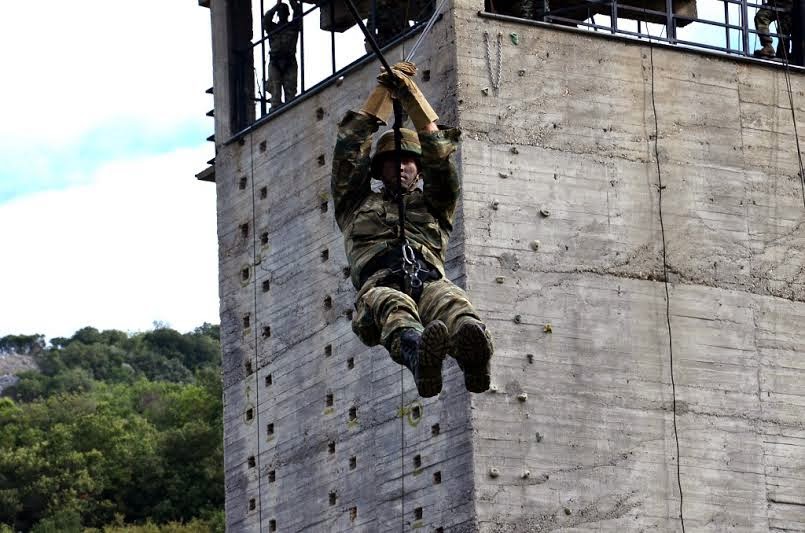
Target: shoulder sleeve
{"points": [[350, 178], [441, 182]]}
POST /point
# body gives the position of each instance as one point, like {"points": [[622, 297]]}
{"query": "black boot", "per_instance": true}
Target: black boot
{"points": [[472, 349], [423, 354]]}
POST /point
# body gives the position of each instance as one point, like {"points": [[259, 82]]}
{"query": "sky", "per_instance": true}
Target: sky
{"points": [[102, 222]]}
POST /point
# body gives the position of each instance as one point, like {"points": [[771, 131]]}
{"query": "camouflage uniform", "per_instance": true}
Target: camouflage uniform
{"points": [[282, 66], [369, 222], [763, 19]]}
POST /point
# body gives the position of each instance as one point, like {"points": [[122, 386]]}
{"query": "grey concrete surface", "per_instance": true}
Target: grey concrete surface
{"points": [[593, 445]]}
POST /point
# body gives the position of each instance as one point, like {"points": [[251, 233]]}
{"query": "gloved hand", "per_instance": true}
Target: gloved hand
{"points": [[403, 68], [379, 103], [413, 101]]}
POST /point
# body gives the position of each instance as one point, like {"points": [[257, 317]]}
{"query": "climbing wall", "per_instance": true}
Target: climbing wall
{"points": [[322, 433], [564, 257]]}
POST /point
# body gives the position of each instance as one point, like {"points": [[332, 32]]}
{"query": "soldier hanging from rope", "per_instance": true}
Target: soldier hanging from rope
{"points": [[404, 301]]}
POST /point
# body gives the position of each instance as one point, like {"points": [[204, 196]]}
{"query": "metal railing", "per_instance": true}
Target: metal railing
{"points": [[317, 43], [726, 26]]}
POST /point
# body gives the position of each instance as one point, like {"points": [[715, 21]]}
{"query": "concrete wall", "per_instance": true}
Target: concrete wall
{"points": [[558, 226], [581, 428], [320, 470]]}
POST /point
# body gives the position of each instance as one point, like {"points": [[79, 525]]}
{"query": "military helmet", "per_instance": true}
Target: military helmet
{"points": [[385, 147]]}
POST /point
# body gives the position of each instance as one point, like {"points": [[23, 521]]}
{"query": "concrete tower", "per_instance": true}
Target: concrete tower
{"points": [[585, 156]]}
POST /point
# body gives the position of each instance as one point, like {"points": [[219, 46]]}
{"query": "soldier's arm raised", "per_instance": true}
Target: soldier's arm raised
{"points": [[268, 19], [296, 6], [441, 184], [350, 179]]}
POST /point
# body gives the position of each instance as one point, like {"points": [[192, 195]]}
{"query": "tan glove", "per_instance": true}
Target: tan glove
{"points": [[379, 103], [403, 67], [410, 96], [415, 104]]}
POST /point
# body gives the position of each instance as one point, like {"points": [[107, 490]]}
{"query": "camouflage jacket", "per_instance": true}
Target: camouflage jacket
{"points": [[370, 220]]}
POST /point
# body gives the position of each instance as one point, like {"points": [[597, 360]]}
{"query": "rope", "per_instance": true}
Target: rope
{"points": [[402, 452], [787, 72], [661, 187], [401, 206], [427, 29]]}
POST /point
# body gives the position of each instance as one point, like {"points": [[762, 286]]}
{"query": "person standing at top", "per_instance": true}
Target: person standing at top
{"points": [[774, 11], [282, 38]]}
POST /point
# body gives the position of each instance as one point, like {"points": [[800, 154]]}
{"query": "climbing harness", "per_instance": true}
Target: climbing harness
{"points": [[410, 269], [494, 79]]}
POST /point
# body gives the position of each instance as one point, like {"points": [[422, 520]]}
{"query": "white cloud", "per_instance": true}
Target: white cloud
{"points": [[137, 244], [72, 66]]}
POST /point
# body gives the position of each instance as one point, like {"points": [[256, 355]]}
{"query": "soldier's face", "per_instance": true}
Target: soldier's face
{"points": [[407, 172]]}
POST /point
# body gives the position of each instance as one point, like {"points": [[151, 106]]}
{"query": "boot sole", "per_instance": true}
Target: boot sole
{"points": [[473, 354], [434, 347]]}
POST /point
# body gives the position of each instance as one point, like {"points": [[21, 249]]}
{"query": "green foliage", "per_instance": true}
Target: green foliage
{"points": [[23, 344], [117, 430], [74, 364]]}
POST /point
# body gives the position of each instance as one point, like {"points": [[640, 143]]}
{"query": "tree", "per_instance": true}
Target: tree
{"points": [[116, 430]]}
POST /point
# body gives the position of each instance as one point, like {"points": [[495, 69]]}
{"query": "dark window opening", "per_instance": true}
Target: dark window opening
{"points": [[241, 64]]}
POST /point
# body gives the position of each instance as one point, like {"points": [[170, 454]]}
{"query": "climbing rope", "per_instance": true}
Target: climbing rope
{"points": [[787, 72], [410, 264], [426, 31], [660, 188]]}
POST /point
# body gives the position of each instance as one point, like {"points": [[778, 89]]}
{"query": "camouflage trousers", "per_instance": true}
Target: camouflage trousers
{"points": [[764, 18], [382, 309], [282, 73]]}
